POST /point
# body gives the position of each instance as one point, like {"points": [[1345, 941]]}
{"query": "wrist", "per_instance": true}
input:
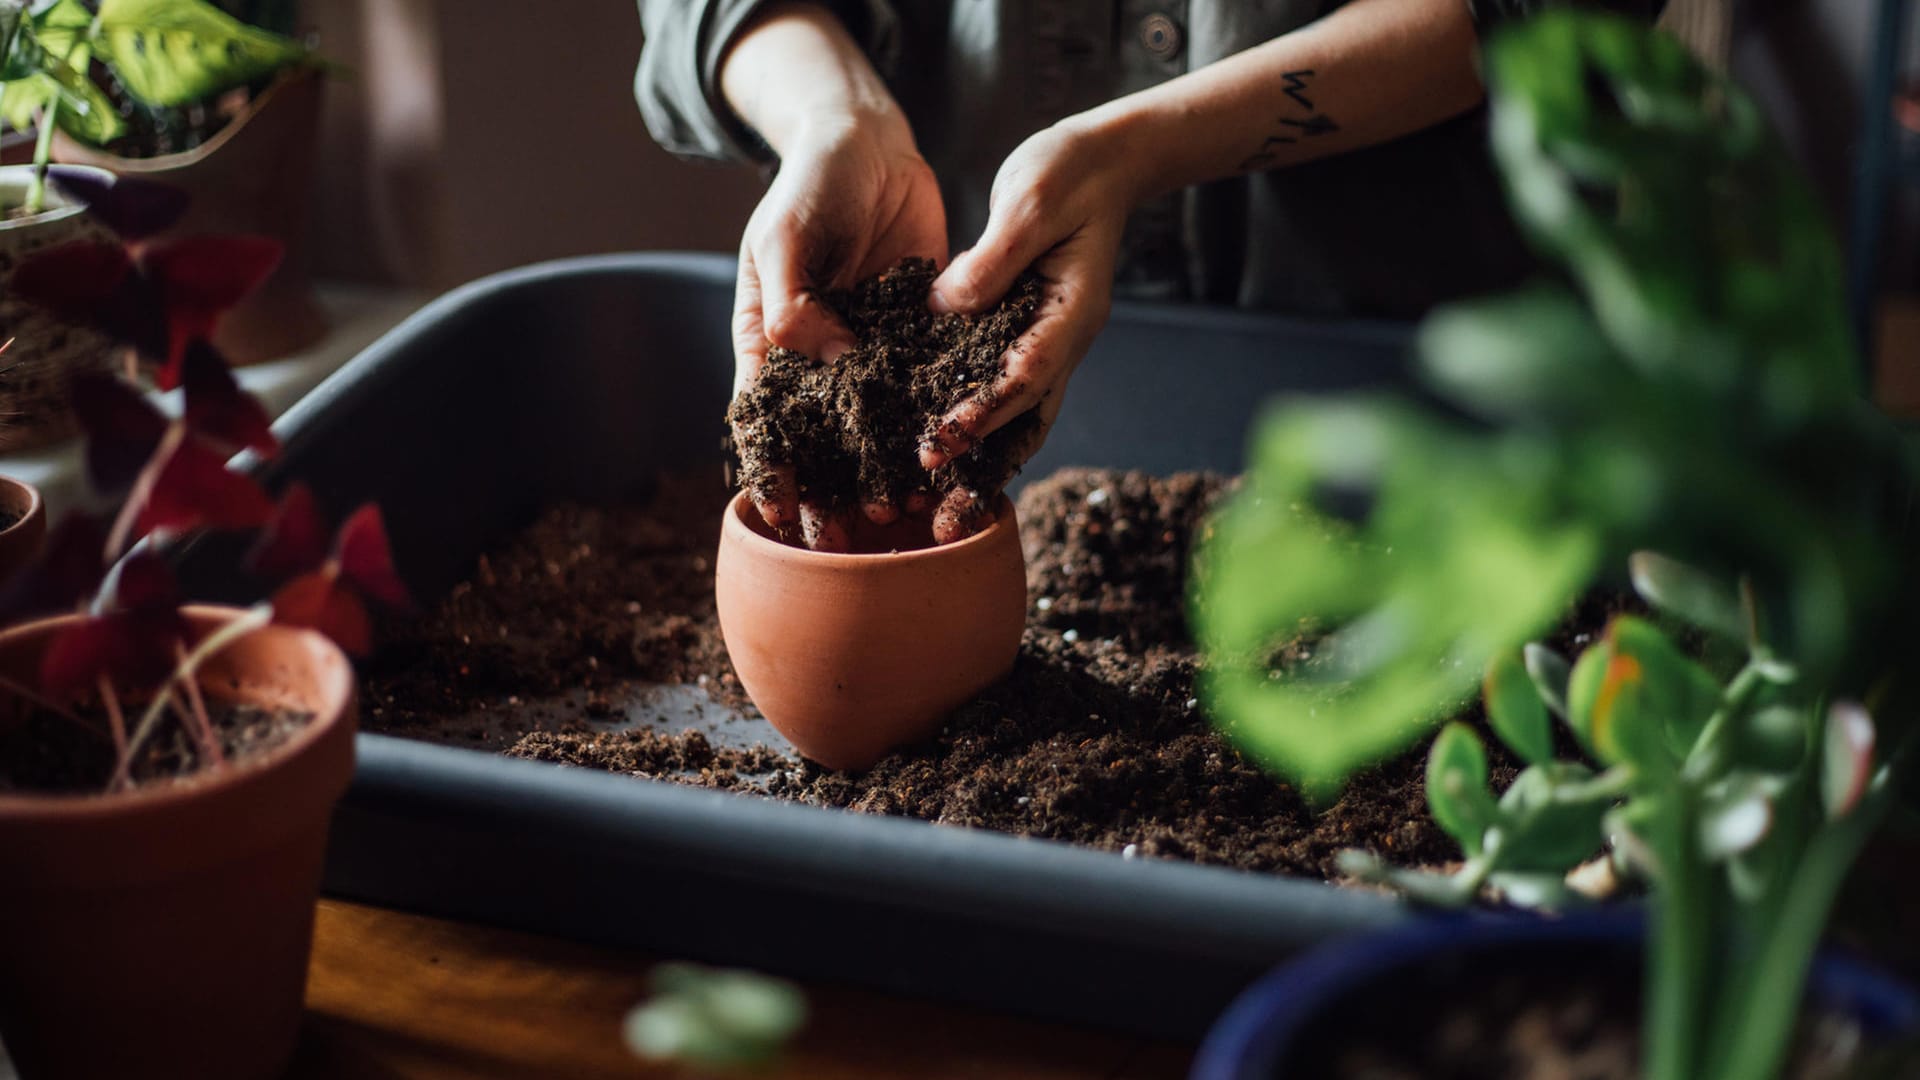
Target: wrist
{"points": [[797, 77], [1126, 141]]}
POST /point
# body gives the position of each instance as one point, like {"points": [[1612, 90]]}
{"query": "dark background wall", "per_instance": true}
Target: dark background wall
{"points": [[473, 135]]}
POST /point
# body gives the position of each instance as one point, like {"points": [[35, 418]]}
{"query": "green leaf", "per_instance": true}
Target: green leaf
{"points": [[178, 52], [1515, 710], [1457, 787], [1735, 817], [1534, 890], [1543, 827], [1550, 673], [714, 1018], [1460, 557], [1526, 355], [1635, 698], [1454, 890], [1846, 760], [1583, 693], [1693, 595]]}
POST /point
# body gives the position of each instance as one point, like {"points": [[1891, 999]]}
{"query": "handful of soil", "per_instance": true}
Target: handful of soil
{"points": [[852, 429]]}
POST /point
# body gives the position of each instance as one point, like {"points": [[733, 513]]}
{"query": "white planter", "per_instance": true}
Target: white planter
{"points": [[46, 351]]}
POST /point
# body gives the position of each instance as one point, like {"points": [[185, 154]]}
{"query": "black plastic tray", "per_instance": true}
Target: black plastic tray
{"points": [[582, 379]]}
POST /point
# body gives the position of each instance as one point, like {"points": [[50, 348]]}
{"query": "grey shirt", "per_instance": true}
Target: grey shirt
{"points": [[1385, 231]]}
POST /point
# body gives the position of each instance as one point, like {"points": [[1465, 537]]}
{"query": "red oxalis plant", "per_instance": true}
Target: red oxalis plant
{"points": [[132, 642]]}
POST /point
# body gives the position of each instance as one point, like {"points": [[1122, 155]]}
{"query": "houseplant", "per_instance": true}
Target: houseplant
{"points": [[251, 174], [1689, 397], [169, 769]]}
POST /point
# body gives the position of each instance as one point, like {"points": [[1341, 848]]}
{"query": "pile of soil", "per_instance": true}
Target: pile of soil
{"points": [[1095, 738], [852, 429], [44, 751]]}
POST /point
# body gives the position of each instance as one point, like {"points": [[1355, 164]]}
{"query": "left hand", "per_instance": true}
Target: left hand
{"points": [[1059, 204]]}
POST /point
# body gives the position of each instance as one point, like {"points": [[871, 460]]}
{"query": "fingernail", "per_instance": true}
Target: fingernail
{"points": [[938, 303]]}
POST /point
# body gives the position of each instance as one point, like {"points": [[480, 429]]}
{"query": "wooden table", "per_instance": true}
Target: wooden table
{"points": [[403, 997]]}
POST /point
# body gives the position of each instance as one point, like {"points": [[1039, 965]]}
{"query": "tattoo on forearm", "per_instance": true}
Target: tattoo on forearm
{"points": [[1292, 128]]}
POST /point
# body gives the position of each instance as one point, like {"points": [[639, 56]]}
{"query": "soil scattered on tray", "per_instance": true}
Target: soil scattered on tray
{"points": [[43, 751], [1509, 1018], [852, 429], [1095, 738]]}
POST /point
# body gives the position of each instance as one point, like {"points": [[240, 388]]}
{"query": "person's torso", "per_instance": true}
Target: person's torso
{"points": [[1384, 231]]}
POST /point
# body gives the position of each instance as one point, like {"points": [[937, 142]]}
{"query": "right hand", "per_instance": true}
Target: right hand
{"points": [[853, 198]]}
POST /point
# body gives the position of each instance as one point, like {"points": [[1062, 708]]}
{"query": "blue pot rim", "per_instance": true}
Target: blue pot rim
{"points": [[1250, 1039]]}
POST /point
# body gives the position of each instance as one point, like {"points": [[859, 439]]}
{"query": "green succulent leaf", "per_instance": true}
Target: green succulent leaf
{"points": [[1735, 817], [177, 52], [1846, 758], [1691, 594], [1543, 827], [1550, 673], [1457, 787], [1635, 698], [1515, 710]]}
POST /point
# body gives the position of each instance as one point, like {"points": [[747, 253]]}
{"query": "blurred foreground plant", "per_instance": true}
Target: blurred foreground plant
{"points": [[1688, 389]]}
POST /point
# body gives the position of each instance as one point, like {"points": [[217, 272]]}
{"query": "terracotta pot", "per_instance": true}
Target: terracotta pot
{"points": [[252, 177], [46, 351], [165, 932], [20, 542], [850, 656]]}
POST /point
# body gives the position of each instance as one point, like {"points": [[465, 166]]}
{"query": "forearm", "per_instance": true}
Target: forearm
{"points": [[796, 74], [1369, 72]]}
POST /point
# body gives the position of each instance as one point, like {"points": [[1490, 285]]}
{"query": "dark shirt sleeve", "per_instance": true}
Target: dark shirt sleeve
{"points": [[1490, 15], [678, 83]]}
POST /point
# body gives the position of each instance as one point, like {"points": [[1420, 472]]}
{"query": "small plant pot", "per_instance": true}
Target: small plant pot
{"points": [[23, 526], [850, 656], [165, 932], [46, 352], [1350, 985], [254, 176]]}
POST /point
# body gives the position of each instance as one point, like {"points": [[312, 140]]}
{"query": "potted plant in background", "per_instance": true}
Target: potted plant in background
{"points": [[168, 771], [1689, 396], [226, 109]]}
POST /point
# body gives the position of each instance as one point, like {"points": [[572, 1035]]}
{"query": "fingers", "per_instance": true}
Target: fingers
{"points": [[965, 511], [1073, 308], [792, 314], [977, 278], [749, 329], [824, 530]]}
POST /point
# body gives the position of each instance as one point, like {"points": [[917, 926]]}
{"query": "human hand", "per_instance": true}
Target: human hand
{"points": [[853, 197], [1059, 205]]}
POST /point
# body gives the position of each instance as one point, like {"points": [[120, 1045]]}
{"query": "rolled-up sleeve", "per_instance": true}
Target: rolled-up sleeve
{"points": [[1490, 15], [678, 81]]}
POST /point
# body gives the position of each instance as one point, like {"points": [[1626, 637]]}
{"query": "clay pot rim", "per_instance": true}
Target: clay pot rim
{"points": [[58, 208], [98, 157], [36, 503], [736, 526], [336, 691]]}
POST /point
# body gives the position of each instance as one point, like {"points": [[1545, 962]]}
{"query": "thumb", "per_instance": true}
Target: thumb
{"points": [[978, 277], [792, 314]]}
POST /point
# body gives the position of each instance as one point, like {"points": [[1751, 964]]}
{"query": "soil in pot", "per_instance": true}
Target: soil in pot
{"points": [[46, 752], [1525, 1021], [852, 429], [590, 639]]}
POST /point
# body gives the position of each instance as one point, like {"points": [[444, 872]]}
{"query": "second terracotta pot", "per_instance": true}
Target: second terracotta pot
{"points": [[164, 933], [850, 656]]}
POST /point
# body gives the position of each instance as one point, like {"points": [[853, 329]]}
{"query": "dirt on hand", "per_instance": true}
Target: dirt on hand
{"points": [[852, 430]]}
